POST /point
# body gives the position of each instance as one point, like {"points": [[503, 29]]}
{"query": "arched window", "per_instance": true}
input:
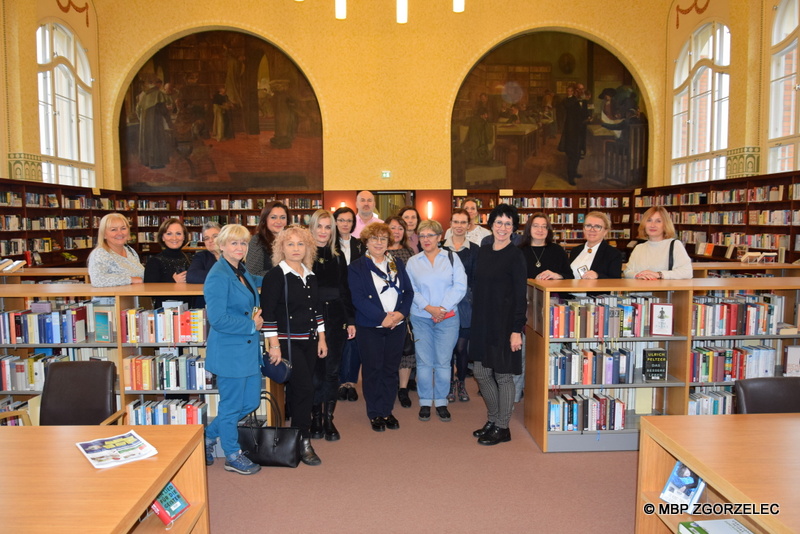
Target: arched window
{"points": [[784, 137], [700, 106], [66, 117]]}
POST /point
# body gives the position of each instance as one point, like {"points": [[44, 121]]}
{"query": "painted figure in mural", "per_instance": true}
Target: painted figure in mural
{"points": [[570, 143], [233, 76], [223, 125], [155, 126], [479, 136], [285, 115]]}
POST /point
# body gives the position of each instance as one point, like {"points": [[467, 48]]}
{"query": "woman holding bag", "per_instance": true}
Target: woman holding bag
{"points": [[290, 303], [233, 353]]}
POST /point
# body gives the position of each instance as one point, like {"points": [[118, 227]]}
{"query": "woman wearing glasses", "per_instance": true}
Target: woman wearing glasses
{"points": [[498, 317], [595, 258], [439, 283], [203, 261], [382, 296], [545, 259]]}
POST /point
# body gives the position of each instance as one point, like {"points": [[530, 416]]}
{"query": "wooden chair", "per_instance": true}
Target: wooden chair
{"points": [[80, 393], [776, 394]]}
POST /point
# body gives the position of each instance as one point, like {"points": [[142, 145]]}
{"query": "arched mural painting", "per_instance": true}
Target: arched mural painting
{"points": [[220, 111], [549, 110]]}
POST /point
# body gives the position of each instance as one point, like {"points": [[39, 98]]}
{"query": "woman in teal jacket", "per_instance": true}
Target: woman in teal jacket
{"points": [[233, 353]]}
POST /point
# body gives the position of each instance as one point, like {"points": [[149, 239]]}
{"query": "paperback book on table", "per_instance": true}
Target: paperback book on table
{"points": [[116, 450]]}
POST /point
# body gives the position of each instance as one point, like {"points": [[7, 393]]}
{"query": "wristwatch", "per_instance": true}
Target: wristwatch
{"points": [[660, 275]]}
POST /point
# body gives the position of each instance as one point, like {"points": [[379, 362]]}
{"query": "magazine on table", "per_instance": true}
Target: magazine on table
{"points": [[116, 450]]}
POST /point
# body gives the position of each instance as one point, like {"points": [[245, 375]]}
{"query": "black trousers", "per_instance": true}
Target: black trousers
{"points": [[326, 373], [380, 349], [300, 391]]}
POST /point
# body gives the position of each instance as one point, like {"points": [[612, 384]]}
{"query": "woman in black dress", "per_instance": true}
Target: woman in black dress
{"points": [[545, 259], [274, 218], [498, 317], [171, 264]]}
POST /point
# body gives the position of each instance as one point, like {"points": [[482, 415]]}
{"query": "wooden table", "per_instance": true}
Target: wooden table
{"points": [[525, 136], [742, 458], [51, 487]]}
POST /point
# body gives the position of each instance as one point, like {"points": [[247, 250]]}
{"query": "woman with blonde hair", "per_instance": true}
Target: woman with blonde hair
{"points": [[113, 262], [293, 325], [330, 268], [595, 258], [661, 256], [233, 354]]}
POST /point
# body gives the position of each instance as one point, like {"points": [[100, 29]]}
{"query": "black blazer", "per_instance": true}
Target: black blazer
{"points": [[607, 262]]}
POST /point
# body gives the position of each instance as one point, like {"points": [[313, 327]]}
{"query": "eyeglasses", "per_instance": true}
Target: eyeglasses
{"points": [[344, 220], [379, 239], [209, 237], [595, 227], [539, 226], [500, 224], [428, 236]]}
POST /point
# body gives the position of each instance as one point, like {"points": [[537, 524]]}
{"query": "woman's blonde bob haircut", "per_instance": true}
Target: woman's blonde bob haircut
{"points": [[669, 228], [232, 232], [107, 220], [292, 231]]}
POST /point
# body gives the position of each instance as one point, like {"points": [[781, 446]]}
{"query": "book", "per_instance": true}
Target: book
{"points": [[660, 319], [654, 364], [712, 526], [683, 486], [170, 504], [116, 450]]}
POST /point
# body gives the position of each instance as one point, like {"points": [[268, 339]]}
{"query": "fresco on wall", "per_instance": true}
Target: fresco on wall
{"points": [[549, 110], [220, 111]]}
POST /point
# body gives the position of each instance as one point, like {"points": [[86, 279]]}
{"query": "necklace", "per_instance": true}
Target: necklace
{"points": [[538, 257]]}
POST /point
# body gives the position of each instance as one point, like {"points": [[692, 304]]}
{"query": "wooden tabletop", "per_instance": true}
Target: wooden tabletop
{"points": [[51, 487], [746, 458]]}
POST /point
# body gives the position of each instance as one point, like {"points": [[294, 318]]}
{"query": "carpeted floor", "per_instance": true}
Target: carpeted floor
{"points": [[429, 477]]}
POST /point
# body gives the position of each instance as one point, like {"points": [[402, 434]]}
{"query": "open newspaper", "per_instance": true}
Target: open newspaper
{"points": [[116, 450]]}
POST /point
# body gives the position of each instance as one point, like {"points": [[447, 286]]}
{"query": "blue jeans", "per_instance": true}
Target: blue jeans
{"points": [[238, 396], [351, 362], [434, 344]]}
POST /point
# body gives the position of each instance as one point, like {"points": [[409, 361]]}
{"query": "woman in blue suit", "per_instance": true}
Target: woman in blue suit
{"points": [[382, 296], [233, 354]]}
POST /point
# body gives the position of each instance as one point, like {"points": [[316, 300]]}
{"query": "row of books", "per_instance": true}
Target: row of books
{"points": [[68, 325], [166, 371], [170, 324], [742, 314], [763, 240], [577, 413], [719, 402], [725, 364], [27, 372], [12, 247], [608, 316], [8, 404], [167, 412], [11, 199], [606, 365]]}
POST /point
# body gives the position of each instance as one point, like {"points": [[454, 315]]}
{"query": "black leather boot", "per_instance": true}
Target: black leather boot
{"points": [[331, 434], [317, 430], [307, 454]]}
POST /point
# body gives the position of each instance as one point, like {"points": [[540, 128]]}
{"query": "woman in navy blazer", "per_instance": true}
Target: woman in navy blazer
{"points": [[233, 352], [595, 258], [382, 296]]}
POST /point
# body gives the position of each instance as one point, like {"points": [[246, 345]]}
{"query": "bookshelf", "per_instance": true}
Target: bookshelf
{"points": [[54, 219], [670, 397], [565, 209], [761, 212]]}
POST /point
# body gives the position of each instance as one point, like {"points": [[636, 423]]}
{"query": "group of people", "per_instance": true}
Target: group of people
{"points": [[392, 297]]}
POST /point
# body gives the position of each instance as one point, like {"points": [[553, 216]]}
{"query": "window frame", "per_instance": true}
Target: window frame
{"points": [[783, 147]]}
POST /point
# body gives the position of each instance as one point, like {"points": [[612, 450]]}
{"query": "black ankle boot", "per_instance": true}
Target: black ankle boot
{"points": [[331, 434], [307, 454], [317, 430]]}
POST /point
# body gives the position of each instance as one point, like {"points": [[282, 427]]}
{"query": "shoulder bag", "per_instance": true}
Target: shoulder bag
{"points": [[281, 371], [274, 446]]}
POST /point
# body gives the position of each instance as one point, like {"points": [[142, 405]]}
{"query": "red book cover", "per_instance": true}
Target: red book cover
{"points": [[169, 504]]}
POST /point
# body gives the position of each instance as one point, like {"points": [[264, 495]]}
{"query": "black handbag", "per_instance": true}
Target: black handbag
{"points": [[269, 445], [408, 345], [281, 371]]}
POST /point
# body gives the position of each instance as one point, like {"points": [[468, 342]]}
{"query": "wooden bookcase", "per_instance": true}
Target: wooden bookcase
{"points": [[15, 296], [762, 212], [672, 395], [55, 219]]}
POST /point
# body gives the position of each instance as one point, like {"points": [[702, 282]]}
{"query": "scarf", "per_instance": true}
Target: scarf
{"points": [[391, 278]]}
